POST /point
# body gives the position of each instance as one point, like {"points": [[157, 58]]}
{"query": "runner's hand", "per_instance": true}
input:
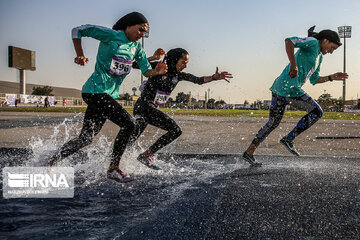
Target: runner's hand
{"points": [[293, 71], [339, 76], [81, 60], [161, 68], [222, 75], [158, 54]]}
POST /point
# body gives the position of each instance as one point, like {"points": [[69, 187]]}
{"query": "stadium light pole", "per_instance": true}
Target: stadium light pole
{"points": [[146, 35], [344, 32]]}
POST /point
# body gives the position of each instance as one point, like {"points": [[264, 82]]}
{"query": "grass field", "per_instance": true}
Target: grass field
{"points": [[200, 112]]}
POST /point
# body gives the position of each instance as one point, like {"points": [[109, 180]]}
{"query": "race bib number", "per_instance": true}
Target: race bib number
{"points": [[120, 67], [161, 97]]}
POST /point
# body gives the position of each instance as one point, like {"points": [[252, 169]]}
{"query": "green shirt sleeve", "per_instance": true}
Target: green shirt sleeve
{"points": [[140, 58], [100, 33], [304, 43]]}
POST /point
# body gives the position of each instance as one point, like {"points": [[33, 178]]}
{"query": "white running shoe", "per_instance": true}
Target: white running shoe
{"points": [[119, 176]]}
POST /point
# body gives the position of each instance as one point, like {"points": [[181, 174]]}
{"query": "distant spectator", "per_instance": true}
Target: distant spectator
{"points": [[46, 105], [64, 102]]}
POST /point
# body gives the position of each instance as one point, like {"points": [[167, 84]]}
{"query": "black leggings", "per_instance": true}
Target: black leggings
{"points": [[145, 114], [101, 106]]}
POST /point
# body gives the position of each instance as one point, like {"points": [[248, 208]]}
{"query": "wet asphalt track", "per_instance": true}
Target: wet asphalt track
{"points": [[208, 196], [201, 197]]}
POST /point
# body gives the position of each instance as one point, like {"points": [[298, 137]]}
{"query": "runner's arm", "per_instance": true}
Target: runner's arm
{"points": [[145, 67], [289, 46], [97, 32], [158, 54], [161, 68], [100, 33], [80, 58], [191, 78], [339, 76], [205, 79], [218, 76], [152, 63]]}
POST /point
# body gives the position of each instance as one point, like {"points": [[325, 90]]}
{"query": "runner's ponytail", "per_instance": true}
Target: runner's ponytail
{"points": [[311, 32], [330, 35]]}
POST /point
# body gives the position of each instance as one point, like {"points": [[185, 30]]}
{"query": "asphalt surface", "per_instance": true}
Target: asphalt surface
{"points": [[200, 195], [288, 198], [22, 120]]}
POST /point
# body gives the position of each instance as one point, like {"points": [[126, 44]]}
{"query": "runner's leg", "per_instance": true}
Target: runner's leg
{"points": [[159, 119], [277, 110], [314, 110], [276, 113], [94, 119], [118, 115], [140, 123]]}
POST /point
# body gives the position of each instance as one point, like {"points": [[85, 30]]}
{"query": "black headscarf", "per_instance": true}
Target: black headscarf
{"points": [[130, 19], [172, 57], [330, 35]]}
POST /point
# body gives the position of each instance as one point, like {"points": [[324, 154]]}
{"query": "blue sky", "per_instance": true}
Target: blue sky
{"points": [[245, 38]]}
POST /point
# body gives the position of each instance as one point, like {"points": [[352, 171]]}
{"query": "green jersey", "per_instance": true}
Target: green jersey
{"points": [[308, 59], [113, 61]]}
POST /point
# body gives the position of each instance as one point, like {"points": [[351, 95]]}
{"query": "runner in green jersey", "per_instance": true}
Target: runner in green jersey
{"points": [[304, 65], [118, 49]]}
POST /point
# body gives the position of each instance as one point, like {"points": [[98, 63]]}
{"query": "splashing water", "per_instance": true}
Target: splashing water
{"points": [[99, 200], [90, 163], [42, 147]]}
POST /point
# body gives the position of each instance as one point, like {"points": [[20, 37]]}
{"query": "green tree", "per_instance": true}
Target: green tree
{"points": [[42, 91], [171, 101], [182, 98], [125, 96], [326, 101], [211, 103], [339, 104], [259, 104]]}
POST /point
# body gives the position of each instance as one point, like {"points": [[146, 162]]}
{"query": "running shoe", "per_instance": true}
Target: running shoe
{"points": [[250, 159], [119, 176], [148, 161], [289, 146]]}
